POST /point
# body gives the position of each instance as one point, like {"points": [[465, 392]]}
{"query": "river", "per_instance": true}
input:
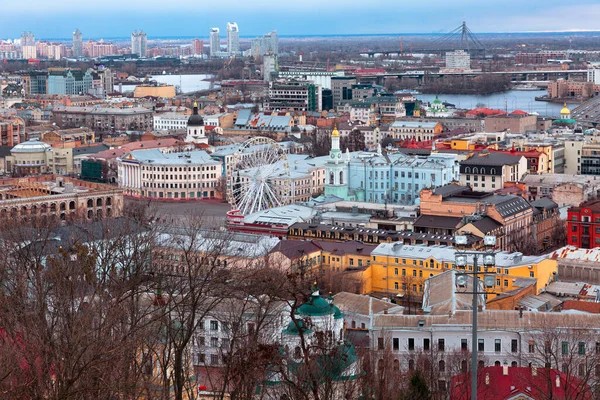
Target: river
{"points": [[513, 99], [187, 83]]}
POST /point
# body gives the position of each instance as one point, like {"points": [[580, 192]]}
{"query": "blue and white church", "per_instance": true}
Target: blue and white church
{"points": [[380, 176]]}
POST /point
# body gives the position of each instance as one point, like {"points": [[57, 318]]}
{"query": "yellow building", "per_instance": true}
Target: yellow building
{"points": [[166, 91], [340, 266], [398, 269]]}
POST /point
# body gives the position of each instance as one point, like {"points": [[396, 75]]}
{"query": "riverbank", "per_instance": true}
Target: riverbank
{"points": [[511, 100], [562, 100]]}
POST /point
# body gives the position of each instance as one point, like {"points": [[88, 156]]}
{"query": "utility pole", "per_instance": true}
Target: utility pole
{"points": [[489, 260]]}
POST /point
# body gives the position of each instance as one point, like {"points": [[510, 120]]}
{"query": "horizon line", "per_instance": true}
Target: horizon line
{"points": [[316, 35]]}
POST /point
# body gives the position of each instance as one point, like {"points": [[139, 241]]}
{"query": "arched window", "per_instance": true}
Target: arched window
{"points": [[475, 170], [497, 363], [341, 177], [442, 366], [396, 365], [514, 364], [493, 171], [411, 365], [297, 352], [463, 366], [380, 365], [480, 364], [331, 178]]}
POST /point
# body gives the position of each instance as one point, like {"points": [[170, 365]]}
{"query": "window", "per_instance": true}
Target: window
{"points": [[531, 347], [442, 366], [201, 358], [463, 344], [214, 325], [547, 347], [441, 344], [411, 344], [395, 285], [425, 344], [395, 271], [480, 345], [581, 348], [396, 344], [411, 365], [380, 343], [565, 348], [598, 348], [497, 345], [214, 342], [214, 359]]}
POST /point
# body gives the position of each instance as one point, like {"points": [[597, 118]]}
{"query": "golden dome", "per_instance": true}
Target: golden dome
{"points": [[335, 132], [565, 110]]}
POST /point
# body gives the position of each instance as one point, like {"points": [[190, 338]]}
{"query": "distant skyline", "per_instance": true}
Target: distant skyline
{"points": [[117, 18]]}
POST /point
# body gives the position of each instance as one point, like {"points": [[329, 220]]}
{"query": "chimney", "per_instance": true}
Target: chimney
{"points": [[533, 370], [557, 380], [505, 370]]}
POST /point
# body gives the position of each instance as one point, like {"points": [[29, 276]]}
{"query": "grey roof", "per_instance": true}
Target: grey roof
{"points": [[243, 117], [350, 303], [447, 254], [442, 297], [544, 203], [157, 157], [449, 189], [93, 149], [492, 159], [506, 205], [414, 124], [434, 221], [486, 224]]}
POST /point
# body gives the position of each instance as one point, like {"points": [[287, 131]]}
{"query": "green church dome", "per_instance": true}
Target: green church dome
{"points": [[294, 329]]}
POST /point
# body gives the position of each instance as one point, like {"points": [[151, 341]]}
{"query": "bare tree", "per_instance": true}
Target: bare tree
{"points": [[573, 352]]}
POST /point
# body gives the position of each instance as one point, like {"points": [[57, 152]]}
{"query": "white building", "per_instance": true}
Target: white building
{"points": [[169, 121], [458, 59], [215, 42], [322, 78], [139, 43], [154, 174], [269, 43], [593, 73], [77, 44], [233, 38], [29, 51], [270, 66]]}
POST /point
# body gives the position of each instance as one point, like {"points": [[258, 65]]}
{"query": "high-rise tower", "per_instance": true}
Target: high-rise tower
{"points": [[77, 44], [139, 43], [233, 38], [215, 42]]}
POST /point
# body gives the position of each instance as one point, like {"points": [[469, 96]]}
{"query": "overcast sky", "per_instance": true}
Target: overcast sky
{"points": [[116, 18]]}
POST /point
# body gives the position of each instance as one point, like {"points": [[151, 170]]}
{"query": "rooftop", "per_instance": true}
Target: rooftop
{"points": [[157, 157], [447, 254]]}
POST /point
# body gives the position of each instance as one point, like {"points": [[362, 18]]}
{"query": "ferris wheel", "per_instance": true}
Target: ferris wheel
{"points": [[260, 178]]}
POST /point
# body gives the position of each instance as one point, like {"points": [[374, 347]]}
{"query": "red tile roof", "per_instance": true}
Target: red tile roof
{"points": [[484, 111], [586, 306], [540, 383]]}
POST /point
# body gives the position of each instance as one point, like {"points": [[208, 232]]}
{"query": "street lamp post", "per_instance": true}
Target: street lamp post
{"points": [[461, 258]]}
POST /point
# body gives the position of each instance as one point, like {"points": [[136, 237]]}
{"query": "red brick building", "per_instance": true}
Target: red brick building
{"points": [[583, 225]]}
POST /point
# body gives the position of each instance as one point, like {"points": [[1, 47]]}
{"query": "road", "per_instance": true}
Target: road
{"points": [[210, 211]]}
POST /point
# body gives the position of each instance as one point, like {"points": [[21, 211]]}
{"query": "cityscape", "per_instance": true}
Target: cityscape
{"points": [[301, 209]]}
